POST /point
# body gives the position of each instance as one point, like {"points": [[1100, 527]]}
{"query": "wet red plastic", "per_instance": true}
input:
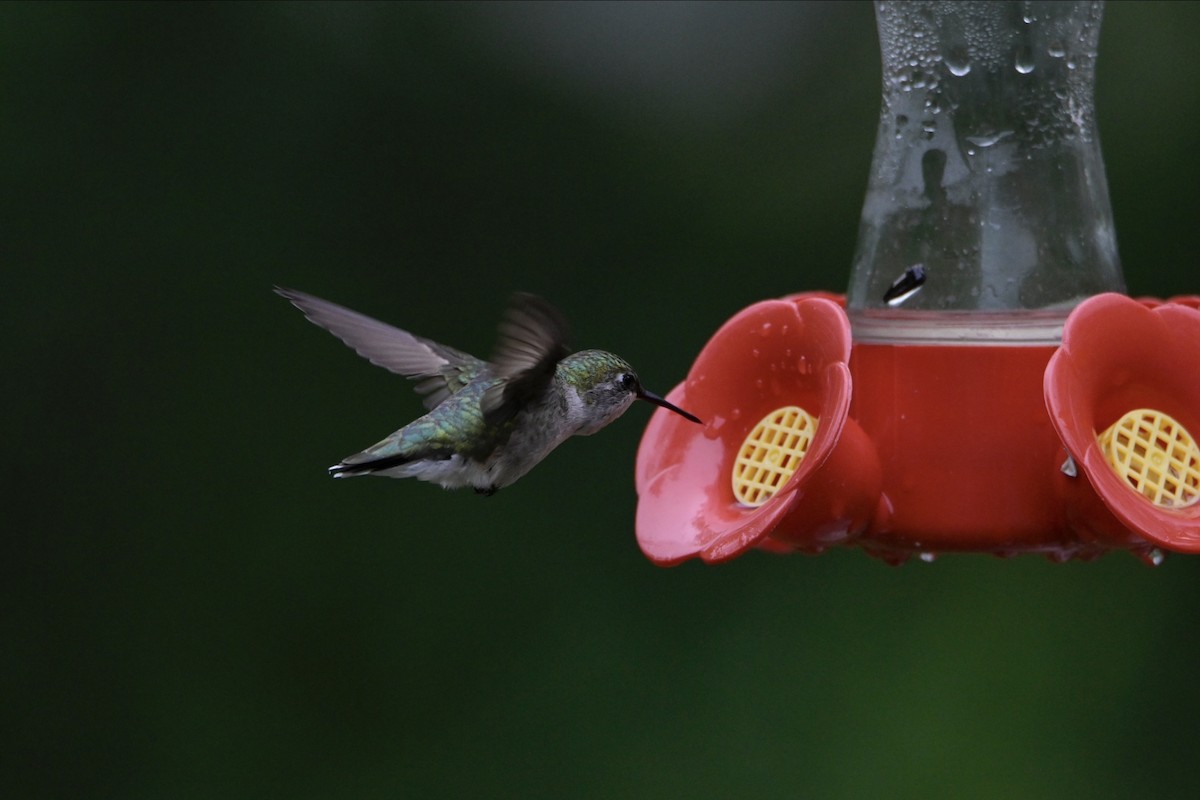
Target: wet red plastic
{"points": [[774, 353], [967, 450], [1118, 355], [923, 449]]}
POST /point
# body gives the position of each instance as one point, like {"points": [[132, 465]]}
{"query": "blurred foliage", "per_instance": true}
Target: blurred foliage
{"points": [[192, 609]]}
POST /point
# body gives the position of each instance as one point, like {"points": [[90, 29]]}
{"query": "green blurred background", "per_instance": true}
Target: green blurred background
{"points": [[192, 609]]}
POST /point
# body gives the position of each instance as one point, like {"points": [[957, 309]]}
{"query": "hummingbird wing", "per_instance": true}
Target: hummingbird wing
{"points": [[533, 339], [440, 370]]}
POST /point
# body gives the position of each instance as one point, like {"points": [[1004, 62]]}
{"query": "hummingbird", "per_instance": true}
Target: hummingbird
{"points": [[489, 422]]}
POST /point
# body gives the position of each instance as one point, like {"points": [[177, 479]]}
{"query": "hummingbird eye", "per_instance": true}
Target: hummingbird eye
{"points": [[627, 381]]}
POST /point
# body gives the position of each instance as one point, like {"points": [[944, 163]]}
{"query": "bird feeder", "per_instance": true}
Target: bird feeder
{"points": [[984, 385]]}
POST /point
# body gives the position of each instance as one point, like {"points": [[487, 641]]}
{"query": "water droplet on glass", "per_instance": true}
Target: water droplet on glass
{"points": [[928, 558], [958, 61], [989, 139], [1024, 59], [759, 383], [1056, 49], [765, 330]]}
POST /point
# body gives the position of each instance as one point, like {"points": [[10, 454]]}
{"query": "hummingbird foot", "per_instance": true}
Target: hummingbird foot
{"points": [[486, 491]]}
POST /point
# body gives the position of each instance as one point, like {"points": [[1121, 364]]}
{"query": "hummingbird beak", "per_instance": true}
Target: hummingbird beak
{"points": [[651, 397]]}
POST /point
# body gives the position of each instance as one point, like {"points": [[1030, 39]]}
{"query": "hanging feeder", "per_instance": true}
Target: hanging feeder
{"points": [[984, 385]]}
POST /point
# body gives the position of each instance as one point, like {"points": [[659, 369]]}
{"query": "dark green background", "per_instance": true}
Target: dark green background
{"points": [[192, 609]]}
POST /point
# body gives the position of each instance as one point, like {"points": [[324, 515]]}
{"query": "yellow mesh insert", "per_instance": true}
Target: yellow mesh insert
{"points": [[771, 454], [1156, 455]]}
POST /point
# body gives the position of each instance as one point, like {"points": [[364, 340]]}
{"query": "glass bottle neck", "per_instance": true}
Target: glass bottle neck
{"points": [[987, 177]]}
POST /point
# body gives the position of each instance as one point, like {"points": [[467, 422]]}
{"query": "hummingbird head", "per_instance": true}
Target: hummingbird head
{"points": [[606, 386]]}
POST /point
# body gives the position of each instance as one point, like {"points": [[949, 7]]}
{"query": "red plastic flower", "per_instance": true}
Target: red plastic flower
{"points": [[1120, 356], [776, 353], [1189, 300]]}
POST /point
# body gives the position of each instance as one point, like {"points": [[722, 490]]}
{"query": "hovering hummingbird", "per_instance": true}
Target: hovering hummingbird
{"points": [[489, 422]]}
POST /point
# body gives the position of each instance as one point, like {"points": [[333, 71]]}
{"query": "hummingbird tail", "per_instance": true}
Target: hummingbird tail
{"points": [[346, 471], [363, 464]]}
